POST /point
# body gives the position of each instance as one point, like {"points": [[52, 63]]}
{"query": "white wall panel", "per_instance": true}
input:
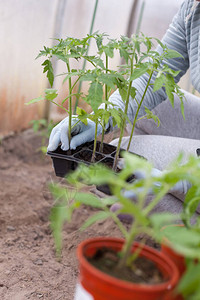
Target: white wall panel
{"points": [[27, 25]]}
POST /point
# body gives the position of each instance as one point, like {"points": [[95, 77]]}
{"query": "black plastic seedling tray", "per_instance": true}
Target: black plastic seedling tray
{"points": [[67, 161]]}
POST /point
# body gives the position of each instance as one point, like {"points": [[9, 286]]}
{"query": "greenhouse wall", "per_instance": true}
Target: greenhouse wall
{"points": [[26, 26]]}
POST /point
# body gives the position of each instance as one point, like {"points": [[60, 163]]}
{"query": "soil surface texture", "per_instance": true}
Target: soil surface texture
{"points": [[28, 265]]}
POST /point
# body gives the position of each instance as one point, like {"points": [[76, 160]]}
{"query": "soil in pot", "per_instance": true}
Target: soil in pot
{"points": [[142, 270], [102, 286]]}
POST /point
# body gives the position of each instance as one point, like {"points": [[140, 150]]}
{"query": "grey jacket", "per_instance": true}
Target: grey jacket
{"points": [[183, 36]]}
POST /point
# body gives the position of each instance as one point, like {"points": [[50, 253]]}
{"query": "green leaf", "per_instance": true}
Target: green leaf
{"points": [[98, 174], [99, 41], [61, 57], [124, 54], [183, 240], [88, 199], [95, 95], [150, 115], [123, 93], [182, 108], [116, 114], [43, 149], [51, 94], [38, 124], [70, 75], [102, 215], [133, 92], [192, 193], [82, 115], [190, 209], [129, 207], [109, 201], [142, 69], [172, 54], [49, 69], [34, 100], [108, 79], [190, 282], [137, 46], [58, 192], [96, 60], [88, 77], [159, 82], [58, 217], [163, 218], [169, 87], [109, 51]]}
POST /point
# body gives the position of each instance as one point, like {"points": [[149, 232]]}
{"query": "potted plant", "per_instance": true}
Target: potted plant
{"points": [[93, 280], [102, 78]]}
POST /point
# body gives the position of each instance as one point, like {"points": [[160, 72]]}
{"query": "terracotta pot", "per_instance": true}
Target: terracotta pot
{"points": [[96, 285]]}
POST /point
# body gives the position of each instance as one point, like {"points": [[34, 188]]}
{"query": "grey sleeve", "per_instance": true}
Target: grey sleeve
{"points": [[175, 38]]}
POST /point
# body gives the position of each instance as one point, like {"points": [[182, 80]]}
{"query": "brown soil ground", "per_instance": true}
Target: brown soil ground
{"points": [[28, 265]]}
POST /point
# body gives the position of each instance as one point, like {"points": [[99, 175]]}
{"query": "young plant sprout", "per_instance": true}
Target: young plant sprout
{"points": [[140, 59], [140, 62], [109, 78], [144, 220], [66, 50]]}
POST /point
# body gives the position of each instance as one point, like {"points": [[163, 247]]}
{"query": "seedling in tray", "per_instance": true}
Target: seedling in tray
{"points": [[102, 81]]}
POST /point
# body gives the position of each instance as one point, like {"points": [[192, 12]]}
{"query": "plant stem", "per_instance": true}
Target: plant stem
{"points": [[140, 18], [138, 109], [95, 141], [127, 246], [59, 105], [120, 225], [84, 62], [124, 120], [106, 106], [70, 105], [76, 83]]}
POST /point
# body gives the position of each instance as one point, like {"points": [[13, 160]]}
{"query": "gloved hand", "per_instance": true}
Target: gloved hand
{"points": [[179, 191], [130, 194], [81, 134]]}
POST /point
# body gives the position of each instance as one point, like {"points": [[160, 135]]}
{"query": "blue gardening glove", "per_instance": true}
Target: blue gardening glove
{"points": [[81, 134], [179, 190]]}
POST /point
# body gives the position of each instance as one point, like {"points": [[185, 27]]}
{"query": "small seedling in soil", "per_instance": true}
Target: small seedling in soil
{"points": [[44, 128]]}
